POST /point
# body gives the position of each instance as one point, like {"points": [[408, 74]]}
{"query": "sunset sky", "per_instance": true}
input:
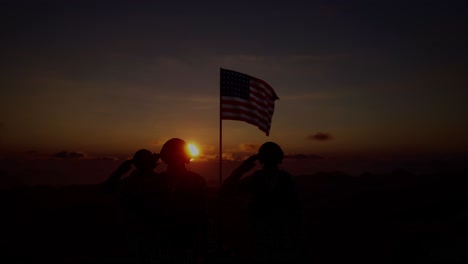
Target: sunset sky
{"points": [[377, 78]]}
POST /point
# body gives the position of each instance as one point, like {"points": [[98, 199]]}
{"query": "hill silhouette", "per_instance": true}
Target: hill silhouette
{"points": [[392, 218]]}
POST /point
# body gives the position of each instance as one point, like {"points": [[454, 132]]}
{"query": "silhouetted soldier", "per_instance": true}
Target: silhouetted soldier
{"points": [[273, 206], [140, 197], [144, 161], [185, 209]]}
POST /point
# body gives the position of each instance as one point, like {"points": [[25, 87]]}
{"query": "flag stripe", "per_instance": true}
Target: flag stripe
{"points": [[258, 95], [247, 117], [252, 103], [259, 102], [264, 86], [245, 114], [237, 101], [247, 111]]}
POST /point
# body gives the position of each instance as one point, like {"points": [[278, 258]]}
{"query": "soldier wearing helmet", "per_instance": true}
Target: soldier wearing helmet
{"points": [[273, 206], [185, 211], [175, 154], [270, 155], [144, 162], [139, 196]]}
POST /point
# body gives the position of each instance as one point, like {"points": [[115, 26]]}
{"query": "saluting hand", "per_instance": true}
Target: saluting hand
{"points": [[248, 164], [125, 166]]}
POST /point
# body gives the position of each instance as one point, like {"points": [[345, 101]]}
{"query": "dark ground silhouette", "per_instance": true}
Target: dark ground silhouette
{"points": [[387, 218]]}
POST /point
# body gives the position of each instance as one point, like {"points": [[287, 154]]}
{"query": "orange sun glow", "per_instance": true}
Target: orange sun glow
{"points": [[193, 150]]}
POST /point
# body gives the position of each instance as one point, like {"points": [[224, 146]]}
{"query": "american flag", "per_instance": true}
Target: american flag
{"points": [[246, 98]]}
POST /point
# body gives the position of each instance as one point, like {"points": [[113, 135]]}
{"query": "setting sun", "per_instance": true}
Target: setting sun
{"points": [[193, 150]]}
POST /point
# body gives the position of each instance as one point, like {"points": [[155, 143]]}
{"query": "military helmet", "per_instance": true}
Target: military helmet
{"points": [[175, 150], [144, 158], [270, 153]]}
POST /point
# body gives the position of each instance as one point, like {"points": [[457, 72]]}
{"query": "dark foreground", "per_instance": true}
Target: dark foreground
{"points": [[395, 218]]}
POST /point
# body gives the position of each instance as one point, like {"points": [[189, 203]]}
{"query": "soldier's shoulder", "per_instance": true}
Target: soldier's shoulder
{"points": [[197, 179]]}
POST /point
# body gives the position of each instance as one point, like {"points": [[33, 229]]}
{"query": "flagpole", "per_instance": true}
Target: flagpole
{"points": [[220, 135], [220, 208]]}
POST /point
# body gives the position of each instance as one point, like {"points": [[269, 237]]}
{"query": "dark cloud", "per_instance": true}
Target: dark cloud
{"points": [[70, 155], [302, 156], [320, 136]]}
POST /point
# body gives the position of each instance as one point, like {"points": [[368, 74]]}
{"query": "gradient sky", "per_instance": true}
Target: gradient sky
{"points": [[110, 77]]}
